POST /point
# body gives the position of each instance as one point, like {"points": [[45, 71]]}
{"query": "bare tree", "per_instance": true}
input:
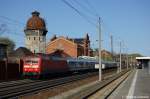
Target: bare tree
{"points": [[10, 44], [3, 28]]}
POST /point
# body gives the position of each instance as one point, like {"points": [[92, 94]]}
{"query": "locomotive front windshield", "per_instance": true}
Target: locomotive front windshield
{"points": [[32, 61], [31, 64]]}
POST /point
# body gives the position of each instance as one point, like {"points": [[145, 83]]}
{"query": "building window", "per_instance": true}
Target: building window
{"points": [[34, 38], [29, 38]]}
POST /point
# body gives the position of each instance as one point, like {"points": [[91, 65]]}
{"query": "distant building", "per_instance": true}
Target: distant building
{"points": [[105, 55], [20, 52], [35, 33], [3, 51], [69, 47]]}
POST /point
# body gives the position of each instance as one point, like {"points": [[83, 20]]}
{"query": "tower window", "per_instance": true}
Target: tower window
{"points": [[34, 38]]}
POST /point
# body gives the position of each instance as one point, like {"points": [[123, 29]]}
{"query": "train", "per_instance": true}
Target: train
{"points": [[43, 64]]}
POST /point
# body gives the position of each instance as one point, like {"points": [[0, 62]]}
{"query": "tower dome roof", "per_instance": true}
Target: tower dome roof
{"points": [[36, 22]]}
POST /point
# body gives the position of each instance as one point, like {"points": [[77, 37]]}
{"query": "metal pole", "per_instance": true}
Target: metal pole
{"points": [[112, 52], [99, 31], [6, 64], [127, 58], [127, 61], [39, 40], [6, 71], [131, 63], [45, 44], [120, 58]]}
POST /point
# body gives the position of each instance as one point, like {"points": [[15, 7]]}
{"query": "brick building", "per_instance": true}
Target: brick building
{"points": [[35, 40], [69, 47]]}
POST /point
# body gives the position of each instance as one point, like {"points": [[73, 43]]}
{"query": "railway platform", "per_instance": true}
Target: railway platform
{"points": [[133, 84], [136, 86]]}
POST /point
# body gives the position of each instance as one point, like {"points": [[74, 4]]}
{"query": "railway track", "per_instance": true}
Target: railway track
{"points": [[15, 83], [22, 87], [104, 88]]}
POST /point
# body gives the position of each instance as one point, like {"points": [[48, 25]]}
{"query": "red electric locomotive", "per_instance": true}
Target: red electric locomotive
{"points": [[37, 65], [44, 64]]}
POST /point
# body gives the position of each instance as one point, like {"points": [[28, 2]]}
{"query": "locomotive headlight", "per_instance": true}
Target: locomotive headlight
{"points": [[26, 66], [36, 69], [35, 66], [26, 69]]}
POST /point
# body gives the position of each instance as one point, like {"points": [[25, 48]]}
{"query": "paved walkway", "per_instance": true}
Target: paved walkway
{"points": [[136, 86]]}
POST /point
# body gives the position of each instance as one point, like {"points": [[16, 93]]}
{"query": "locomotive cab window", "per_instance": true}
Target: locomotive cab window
{"points": [[34, 62], [28, 61]]}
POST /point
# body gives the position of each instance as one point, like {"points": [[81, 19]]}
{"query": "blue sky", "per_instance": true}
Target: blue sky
{"points": [[127, 20]]}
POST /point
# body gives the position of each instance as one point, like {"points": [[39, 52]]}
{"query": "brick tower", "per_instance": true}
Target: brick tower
{"points": [[35, 33]]}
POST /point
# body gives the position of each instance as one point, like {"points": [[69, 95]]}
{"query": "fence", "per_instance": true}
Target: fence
{"points": [[11, 69]]}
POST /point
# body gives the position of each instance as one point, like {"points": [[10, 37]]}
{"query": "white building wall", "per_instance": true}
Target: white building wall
{"points": [[35, 41]]}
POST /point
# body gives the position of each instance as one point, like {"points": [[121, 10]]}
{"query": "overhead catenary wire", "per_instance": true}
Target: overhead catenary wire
{"points": [[85, 8], [4, 30], [91, 11], [91, 7], [12, 20], [108, 34], [8, 32], [94, 13], [80, 13], [8, 21]]}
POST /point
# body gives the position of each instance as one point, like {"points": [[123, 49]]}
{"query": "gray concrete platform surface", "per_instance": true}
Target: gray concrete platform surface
{"points": [[136, 86]]}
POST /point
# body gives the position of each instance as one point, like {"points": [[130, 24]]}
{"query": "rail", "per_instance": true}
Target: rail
{"points": [[34, 87], [88, 91]]}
